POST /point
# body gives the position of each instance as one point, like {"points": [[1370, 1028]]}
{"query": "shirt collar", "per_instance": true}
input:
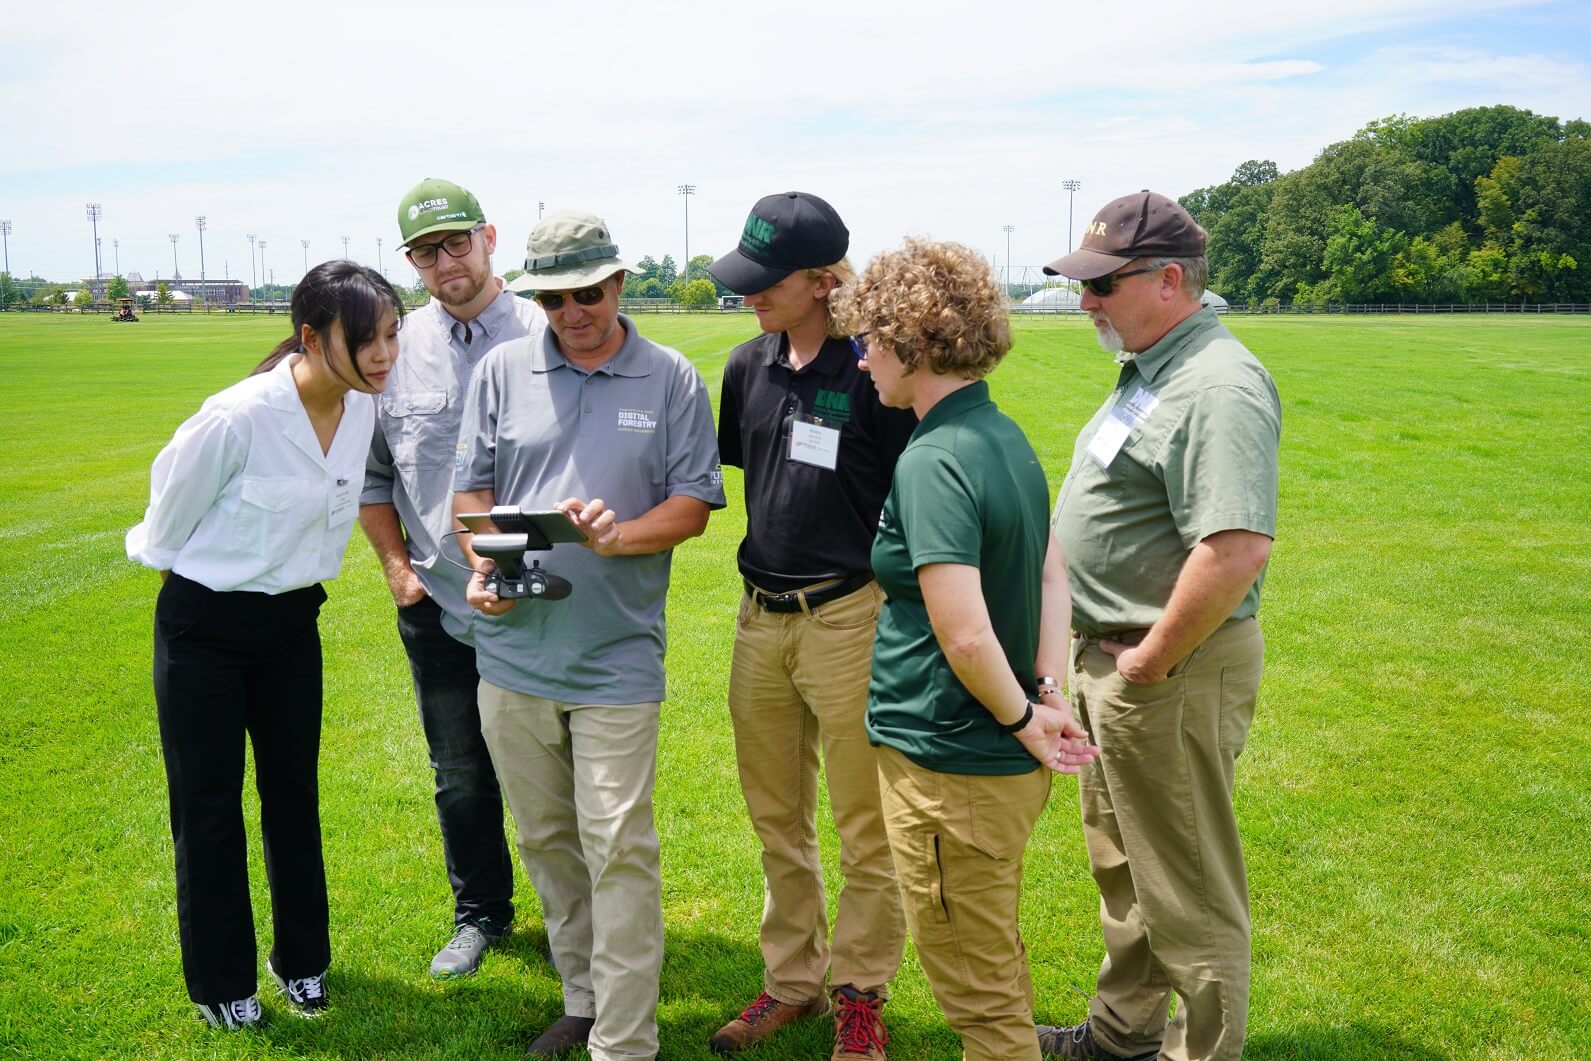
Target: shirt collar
{"points": [[957, 402], [829, 362], [1153, 360], [629, 361], [281, 392]]}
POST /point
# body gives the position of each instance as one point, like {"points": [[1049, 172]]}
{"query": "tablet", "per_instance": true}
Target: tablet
{"points": [[544, 528]]}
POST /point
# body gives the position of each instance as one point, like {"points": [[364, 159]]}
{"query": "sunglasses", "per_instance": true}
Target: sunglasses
{"points": [[586, 296], [457, 246], [1102, 286]]}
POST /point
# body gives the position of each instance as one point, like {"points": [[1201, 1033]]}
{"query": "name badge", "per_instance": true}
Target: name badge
{"points": [[342, 504], [814, 443], [1108, 439]]}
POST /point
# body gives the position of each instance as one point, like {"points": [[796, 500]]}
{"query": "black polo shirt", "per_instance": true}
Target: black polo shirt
{"points": [[806, 524]]}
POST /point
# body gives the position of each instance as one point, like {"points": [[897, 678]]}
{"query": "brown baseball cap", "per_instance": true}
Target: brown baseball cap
{"points": [[1141, 225]]}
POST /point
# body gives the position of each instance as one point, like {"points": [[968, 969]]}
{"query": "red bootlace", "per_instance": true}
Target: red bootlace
{"points": [[859, 1027], [759, 1009]]}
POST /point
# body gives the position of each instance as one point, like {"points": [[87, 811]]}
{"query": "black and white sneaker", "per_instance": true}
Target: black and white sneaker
{"points": [[307, 996], [244, 1013]]}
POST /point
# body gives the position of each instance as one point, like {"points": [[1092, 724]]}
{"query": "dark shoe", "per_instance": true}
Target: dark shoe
{"points": [[463, 953], [233, 1016], [761, 1019], [562, 1037], [858, 1031], [1078, 1042], [306, 996]]}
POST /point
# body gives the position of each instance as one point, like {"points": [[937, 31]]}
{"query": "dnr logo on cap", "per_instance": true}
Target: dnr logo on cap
{"points": [[758, 234]]}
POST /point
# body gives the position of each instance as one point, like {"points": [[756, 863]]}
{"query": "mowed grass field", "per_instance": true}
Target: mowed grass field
{"points": [[1415, 796]]}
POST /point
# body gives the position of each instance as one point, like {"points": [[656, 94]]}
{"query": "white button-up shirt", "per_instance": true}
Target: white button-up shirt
{"points": [[242, 497]]}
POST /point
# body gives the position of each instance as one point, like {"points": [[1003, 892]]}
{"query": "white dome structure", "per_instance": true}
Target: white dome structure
{"points": [[1061, 298]]}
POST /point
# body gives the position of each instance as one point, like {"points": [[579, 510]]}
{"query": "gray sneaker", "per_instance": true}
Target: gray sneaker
{"points": [[463, 953], [233, 1016], [1076, 1043]]}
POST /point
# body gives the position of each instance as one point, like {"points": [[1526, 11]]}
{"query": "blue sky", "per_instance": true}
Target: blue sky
{"points": [[924, 118]]}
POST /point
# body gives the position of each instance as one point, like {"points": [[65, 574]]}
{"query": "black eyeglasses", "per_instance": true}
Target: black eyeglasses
{"points": [[586, 296], [457, 245], [1102, 286]]}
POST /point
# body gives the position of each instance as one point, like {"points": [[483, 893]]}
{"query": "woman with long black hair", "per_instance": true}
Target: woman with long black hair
{"points": [[251, 505]]}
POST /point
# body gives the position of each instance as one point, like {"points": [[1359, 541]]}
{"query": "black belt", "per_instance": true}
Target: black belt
{"points": [[791, 601]]}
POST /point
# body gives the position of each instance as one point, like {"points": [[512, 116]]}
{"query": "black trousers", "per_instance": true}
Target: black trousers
{"points": [[469, 804], [226, 665]]}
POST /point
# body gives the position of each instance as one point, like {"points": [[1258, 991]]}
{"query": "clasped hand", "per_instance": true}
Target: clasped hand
{"points": [[1055, 739]]}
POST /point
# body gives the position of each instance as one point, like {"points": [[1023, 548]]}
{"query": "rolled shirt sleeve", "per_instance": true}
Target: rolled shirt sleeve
{"points": [[379, 472], [475, 466]]}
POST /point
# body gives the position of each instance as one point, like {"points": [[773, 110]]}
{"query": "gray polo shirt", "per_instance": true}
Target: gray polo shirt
{"points": [[417, 427], [635, 432], [1184, 447]]}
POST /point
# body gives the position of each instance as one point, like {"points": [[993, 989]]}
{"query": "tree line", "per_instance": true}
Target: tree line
{"points": [[1488, 204]]}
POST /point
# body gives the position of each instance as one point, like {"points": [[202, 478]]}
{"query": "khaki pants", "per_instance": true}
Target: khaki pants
{"points": [[799, 680], [958, 841], [1164, 847], [579, 783]]}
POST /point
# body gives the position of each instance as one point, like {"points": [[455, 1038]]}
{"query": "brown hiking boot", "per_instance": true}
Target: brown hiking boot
{"points": [[1077, 1044], [858, 1031], [561, 1037], [761, 1019]]}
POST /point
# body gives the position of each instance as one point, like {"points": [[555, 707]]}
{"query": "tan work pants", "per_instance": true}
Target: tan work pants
{"points": [[958, 841], [578, 779], [1164, 847], [799, 681]]}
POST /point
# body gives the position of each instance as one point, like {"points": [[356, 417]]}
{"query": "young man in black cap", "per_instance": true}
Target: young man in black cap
{"points": [[818, 450]]}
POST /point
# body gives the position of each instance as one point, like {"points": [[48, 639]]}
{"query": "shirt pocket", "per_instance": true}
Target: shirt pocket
{"points": [[278, 510], [418, 427]]}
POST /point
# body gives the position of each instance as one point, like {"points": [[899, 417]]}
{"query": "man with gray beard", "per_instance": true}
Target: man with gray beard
{"points": [[406, 511], [1166, 520]]}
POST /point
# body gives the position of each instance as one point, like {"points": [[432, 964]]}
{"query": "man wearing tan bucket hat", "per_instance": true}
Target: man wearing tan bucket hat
{"points": [[1166, 519], [616, 431]]}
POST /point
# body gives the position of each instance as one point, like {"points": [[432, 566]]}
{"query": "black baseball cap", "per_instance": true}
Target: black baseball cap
{"points": [[1141, 225], [783, 233]]}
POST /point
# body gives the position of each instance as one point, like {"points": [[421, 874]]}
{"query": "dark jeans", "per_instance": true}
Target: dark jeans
{"points": [[469, 804], [226, 665]]}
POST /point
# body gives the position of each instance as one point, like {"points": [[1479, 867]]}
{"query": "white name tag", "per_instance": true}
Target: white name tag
{"points": [[1108, 439], [342, 504], [814, 444], [1137, 406]]}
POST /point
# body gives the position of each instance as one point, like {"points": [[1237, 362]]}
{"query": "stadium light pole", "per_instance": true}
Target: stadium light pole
{"points": [[95, 212], [687, 190], [176, 273], [305, 244], [1008, 230], [1071, 187], [379, 267], [116, 248], [5, 235], [540, 206], [345, 248], [262, 263], [200, 223], [253, 283]]}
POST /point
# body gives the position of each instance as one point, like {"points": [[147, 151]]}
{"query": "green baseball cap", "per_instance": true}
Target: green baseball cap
{"points": [[436, 205]]}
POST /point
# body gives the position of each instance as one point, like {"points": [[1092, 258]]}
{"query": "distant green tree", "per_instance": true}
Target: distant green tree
{"points": [[84, 297], [11, 292], [676, 290], [667, 271], [163, 294], [700, 293], [117, 288], [647, 287]]}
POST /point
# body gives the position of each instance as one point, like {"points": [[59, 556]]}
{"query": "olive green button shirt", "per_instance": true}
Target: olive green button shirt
{"points": [[1184, 447]]}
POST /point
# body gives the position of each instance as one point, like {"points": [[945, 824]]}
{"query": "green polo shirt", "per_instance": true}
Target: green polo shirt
{"points": [[1185, 446], [967, 490]]}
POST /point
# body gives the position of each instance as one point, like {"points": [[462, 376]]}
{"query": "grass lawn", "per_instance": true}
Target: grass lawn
{"points": [[1415, 796]]}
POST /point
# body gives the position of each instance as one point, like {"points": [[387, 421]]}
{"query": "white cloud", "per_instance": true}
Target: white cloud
{"points": [[309, 121]]}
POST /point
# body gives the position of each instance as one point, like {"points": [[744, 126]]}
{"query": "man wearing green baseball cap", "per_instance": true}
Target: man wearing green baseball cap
{"points": [[616, 431], [406, 511]]}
